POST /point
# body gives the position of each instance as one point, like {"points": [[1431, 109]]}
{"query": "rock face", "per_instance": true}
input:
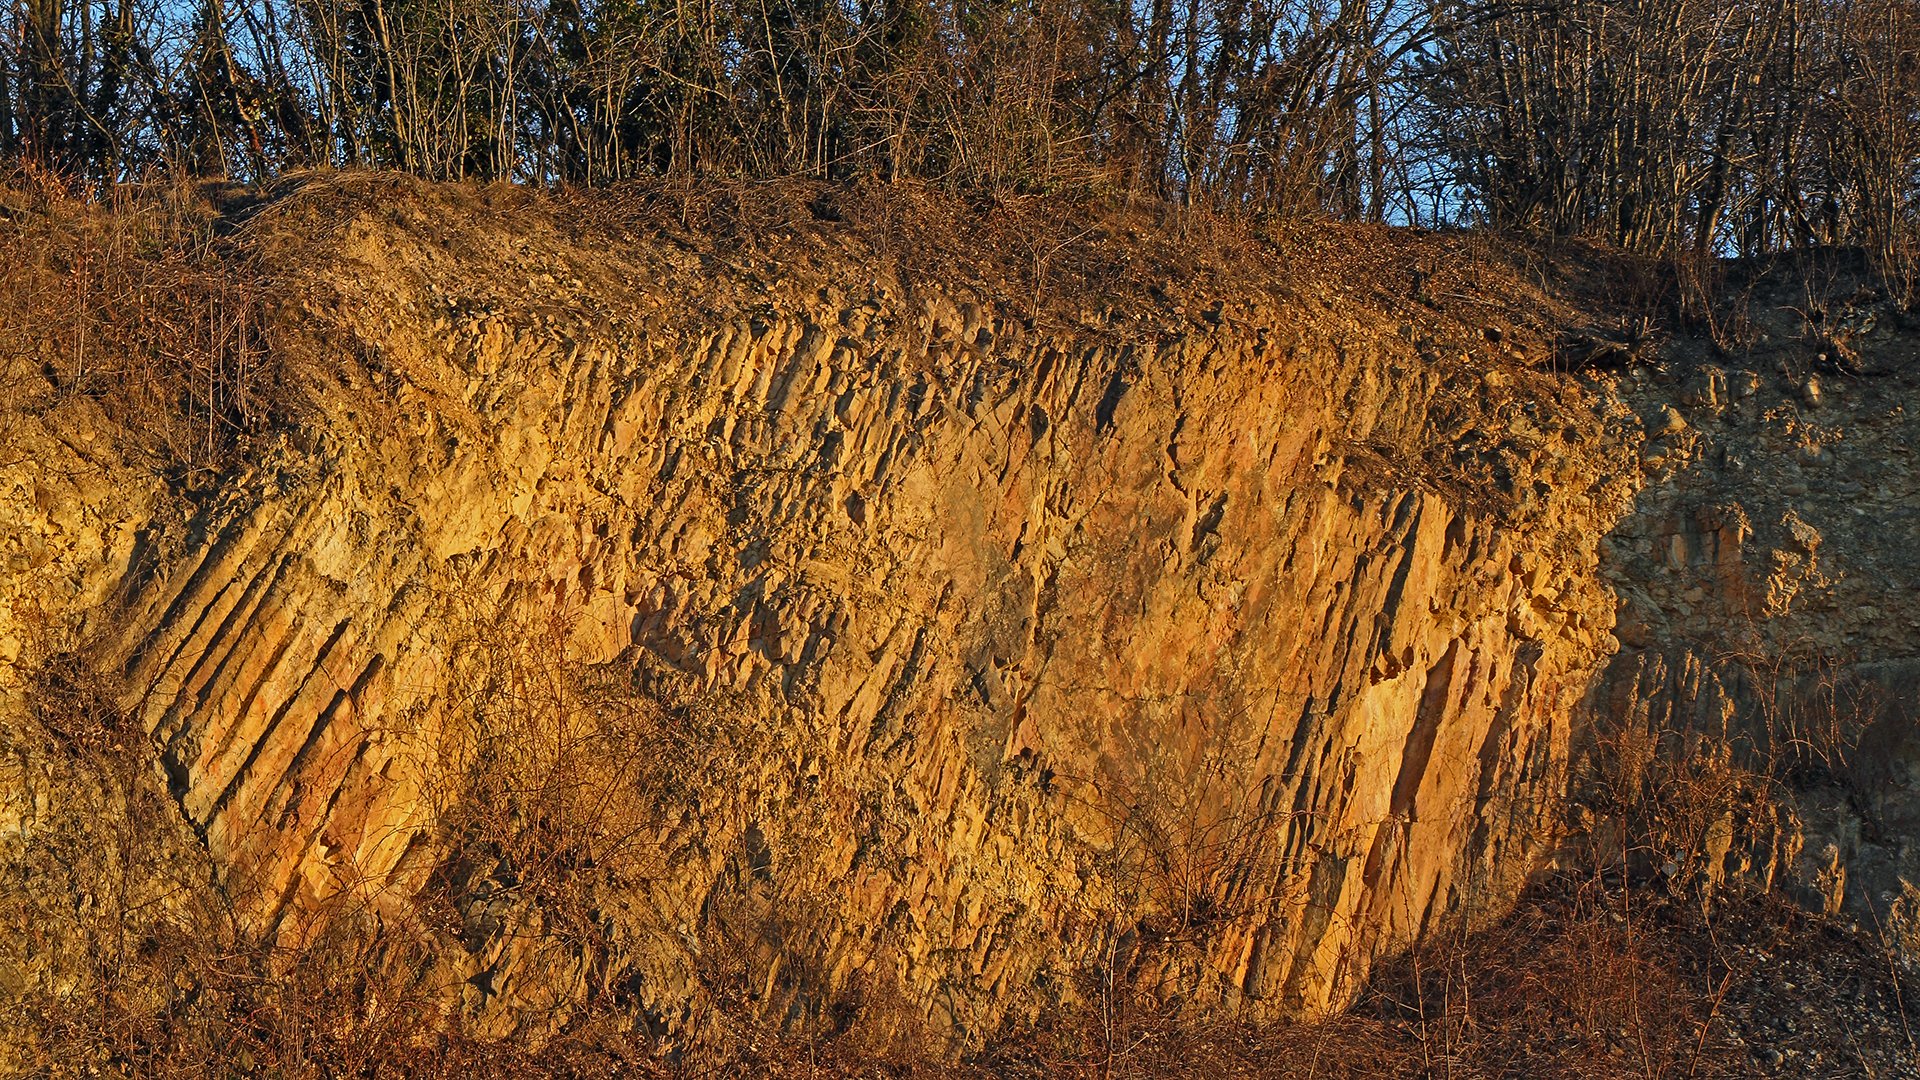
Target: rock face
{"points": [[1769, 588], [632, 620]]}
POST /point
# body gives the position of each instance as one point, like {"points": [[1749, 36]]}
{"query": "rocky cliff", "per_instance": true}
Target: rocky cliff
{"points": [[1769, 598], [621, 616]]}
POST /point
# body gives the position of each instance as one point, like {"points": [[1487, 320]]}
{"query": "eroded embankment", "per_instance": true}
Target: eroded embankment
{"points": [[628, 619]]}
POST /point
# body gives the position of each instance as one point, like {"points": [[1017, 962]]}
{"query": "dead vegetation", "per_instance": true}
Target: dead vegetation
{"points": [[138, 306]]}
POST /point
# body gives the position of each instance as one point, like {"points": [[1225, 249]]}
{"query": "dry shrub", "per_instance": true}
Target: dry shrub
{"points": [[1810, 712], [1576, 984], [548, 764], [1669, 805], [75, 705], [1697, 791], [1192, 854], [554, 786], [1587, 980], [111, 923], [135, 302]]}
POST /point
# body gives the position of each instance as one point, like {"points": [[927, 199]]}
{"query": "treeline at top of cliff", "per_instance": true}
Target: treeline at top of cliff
{"points": [[1695, 128]]}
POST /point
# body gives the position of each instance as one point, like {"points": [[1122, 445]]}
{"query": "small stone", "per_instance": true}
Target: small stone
{"points": [[1666, 421], [1803, 536], [1705, 388]]}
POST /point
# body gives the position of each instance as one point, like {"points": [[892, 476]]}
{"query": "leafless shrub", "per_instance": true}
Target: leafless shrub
{"points": [[547, 762], [131, 305], [1696, 790], [1715, 127]]}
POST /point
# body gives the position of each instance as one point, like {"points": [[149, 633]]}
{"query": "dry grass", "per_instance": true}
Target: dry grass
{"points": [[1586, 980], [139, 305]]}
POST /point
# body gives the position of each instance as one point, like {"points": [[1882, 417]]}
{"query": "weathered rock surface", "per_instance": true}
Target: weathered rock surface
{"points": [[913, 663], [1769, 590]]}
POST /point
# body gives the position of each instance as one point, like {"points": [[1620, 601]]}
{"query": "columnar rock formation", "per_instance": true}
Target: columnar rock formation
{"points": [[921, 657]]}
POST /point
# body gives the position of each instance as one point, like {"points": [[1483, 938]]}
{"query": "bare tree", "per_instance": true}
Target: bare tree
{"points": [[1692, 128]]}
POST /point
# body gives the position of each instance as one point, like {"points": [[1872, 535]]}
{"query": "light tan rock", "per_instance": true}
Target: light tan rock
{"points": [[910, 643]]}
